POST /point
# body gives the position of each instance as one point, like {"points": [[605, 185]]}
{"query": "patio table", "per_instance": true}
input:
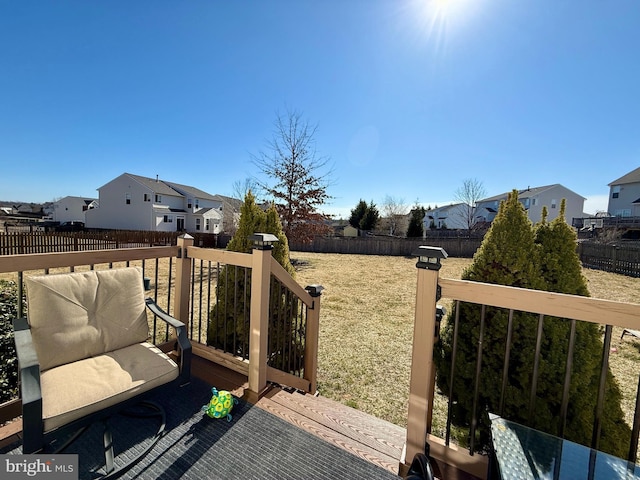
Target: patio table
{"points": [[523, 453]]}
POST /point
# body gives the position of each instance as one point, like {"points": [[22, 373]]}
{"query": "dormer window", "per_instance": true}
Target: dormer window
{"points": [[158, 198]]}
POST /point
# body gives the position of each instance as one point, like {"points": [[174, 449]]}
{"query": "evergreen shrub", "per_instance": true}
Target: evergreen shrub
{"points": [[515, 253], [230, 317]]}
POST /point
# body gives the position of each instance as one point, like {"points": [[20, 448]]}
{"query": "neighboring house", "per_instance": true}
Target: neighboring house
{"points": [[133, 202], [230, 213], [452, 216], [624, 195], [72, 209], [534, 199]]}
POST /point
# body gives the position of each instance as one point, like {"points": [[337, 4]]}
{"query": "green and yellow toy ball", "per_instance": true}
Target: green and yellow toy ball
{"points": [[220, 404]]}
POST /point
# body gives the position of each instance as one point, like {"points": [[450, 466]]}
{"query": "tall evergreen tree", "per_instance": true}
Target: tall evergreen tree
{"points": [[358, 213], [229, 322], [562, 273], [515, 254], [416, 222], [371, 218]]}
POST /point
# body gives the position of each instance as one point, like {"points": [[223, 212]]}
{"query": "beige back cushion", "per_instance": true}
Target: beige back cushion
{"points": [[80, 315]]}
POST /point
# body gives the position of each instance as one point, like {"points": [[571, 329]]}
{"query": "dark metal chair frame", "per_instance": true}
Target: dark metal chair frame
{"points": [[35, 439]]}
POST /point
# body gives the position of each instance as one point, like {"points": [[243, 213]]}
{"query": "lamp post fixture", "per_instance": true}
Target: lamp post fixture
{"points": [[263, 241], [429, 257]]}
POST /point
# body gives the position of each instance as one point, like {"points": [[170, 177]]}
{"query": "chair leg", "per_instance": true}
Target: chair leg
{"points": [[108, 448]]}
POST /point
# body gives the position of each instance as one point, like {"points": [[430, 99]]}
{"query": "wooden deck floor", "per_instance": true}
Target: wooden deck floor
{"points": [[375, 440]]}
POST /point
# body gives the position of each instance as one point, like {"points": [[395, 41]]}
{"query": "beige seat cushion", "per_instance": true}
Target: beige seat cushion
{"points": [[80, 315], [74, 390]]}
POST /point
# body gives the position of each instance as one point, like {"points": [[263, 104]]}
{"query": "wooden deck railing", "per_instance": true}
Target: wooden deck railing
{"points": [[422, 388], [183, 282]]}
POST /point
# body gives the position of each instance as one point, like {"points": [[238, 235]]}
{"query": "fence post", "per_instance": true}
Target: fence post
{"points": [[183, 273], [311, 338], [421, 388], [259, 316]]}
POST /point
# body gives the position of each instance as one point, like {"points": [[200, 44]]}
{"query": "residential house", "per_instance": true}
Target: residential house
{"points": [[624, 195], [230, 213], [454, 216], [534, 199], [72, 209], [133, 202]]}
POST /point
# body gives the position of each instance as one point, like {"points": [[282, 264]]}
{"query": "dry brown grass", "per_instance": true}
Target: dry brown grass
{"points": [[367, 326]]}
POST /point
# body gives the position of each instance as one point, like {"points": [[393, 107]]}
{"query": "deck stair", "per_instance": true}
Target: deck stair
{"points": [[375, 440]]}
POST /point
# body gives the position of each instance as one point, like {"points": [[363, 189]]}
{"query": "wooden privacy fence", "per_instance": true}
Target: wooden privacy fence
{"points": [[455, 247], [624, 260], [21, 243]]}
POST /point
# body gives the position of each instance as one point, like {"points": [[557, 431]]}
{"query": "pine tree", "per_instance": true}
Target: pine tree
{"points": [[358, 213], [506, 257], [229, 323], [416, 225], [514, 253], [562, 273]]}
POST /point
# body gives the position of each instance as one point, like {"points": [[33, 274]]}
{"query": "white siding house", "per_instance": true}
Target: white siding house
{"points": [[452, 216], [534, 199], [624, 195], [133, 202], [72, 209]]}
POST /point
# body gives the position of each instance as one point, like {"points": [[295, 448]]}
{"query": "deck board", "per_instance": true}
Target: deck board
{"points": [[370, 438], [380, 435]]}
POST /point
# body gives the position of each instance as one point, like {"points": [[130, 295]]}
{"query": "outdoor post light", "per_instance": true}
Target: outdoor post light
{"points": [[429, 257], [263, 241]]}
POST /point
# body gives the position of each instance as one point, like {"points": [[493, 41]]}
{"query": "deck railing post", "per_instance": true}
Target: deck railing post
{"points": [[259, 316], [183, 275], [421, 388], [311, 338]]}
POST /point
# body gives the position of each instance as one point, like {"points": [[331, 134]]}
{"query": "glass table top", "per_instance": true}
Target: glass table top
{"points": [[523, 453]]}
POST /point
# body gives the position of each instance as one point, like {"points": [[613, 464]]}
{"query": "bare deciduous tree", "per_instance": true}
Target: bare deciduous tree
{"points": [[471, 191], [394, 212], [298, 178], [240, 188]]}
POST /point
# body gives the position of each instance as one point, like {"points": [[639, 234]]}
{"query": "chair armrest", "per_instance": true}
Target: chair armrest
{"points": [[183, 343], [31, 393], [27, 361]]}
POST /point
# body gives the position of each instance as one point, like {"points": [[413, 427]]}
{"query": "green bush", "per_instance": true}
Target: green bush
{"points": [[9, 370], [229, 323], [516, 253]]}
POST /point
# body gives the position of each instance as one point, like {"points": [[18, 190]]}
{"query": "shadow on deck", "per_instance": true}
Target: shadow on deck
{"points": [[373, 440]]}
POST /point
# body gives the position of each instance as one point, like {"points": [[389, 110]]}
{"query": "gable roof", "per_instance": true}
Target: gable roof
{"points": [[524, 193], [155, 185], [631, 177], [188, 191], [163, 187]]}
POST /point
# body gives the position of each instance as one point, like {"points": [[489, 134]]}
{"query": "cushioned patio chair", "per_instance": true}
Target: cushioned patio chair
{"points": [[84, 354]]}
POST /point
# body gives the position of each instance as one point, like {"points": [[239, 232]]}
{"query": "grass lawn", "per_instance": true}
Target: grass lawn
{"points": [[366, 328]]}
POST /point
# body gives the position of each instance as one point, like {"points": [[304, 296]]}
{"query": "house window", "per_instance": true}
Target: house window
{"points": [[615, 191], [158, 198], [207, 224], [553, 203], [197, 203], [197, 224], [534, 201], [189, 202], [147, 197], [127, 198], [168, 219]]}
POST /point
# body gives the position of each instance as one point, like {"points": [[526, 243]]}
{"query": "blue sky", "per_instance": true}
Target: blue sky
{"points": [[410, 97]]}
